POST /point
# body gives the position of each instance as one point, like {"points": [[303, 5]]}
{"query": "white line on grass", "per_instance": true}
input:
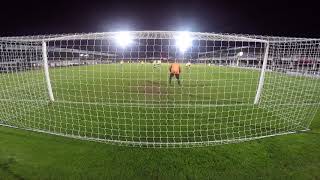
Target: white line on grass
{"points": [[152, 105]]}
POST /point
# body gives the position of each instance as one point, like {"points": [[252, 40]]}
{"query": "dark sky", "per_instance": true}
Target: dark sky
{"points": [[285, 18]]}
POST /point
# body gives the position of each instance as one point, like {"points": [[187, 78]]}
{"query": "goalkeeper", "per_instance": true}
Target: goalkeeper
{"points": [[174, 70]]}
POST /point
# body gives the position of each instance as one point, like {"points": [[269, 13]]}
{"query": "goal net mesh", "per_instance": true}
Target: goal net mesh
{"points": [[114, 87]]}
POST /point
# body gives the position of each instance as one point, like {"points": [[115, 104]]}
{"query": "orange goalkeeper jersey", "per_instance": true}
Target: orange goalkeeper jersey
{"points": [[175, 68]]}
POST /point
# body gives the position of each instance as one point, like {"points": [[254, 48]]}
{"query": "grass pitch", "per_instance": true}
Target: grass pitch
{"points": [[30, 155], [135, 104]]}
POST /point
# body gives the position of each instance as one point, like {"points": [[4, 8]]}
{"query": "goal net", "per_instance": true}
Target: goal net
{"points": [[159, 89]]}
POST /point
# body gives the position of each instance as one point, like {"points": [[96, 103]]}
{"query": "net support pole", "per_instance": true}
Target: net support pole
{"points": [[262, 74], [46, 70]]}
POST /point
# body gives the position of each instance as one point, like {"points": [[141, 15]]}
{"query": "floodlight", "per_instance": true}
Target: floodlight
{"points": [[84, 55], [123, 38], [183, 41], [240, 54]]}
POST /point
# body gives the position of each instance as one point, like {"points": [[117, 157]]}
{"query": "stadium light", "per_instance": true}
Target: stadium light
{"points": [[123, 38], [84, 55], [183, 41]]}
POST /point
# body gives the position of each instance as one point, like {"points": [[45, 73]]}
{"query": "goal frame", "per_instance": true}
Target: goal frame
{"points": [[258, 97]]}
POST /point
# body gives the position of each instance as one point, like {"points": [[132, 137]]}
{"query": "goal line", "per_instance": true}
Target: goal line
{"points": [[160, 105]]}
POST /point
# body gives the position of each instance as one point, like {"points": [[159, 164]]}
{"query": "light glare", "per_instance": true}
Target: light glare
{"points": [[240, 54], [123, 39], [183, 41]]}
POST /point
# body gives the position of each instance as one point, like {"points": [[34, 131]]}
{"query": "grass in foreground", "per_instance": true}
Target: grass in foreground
{"points": [[135, 103], [30, 155]]}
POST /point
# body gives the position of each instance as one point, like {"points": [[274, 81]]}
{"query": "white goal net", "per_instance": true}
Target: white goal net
{"points": [[159, 89]]}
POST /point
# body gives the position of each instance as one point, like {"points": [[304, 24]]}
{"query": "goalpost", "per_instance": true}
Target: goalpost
{"points": [[263, 71], [105, 87], [46, 70]]}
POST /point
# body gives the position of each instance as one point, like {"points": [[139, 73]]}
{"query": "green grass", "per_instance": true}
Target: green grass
{"points": [[135, 103], [30, 155]]}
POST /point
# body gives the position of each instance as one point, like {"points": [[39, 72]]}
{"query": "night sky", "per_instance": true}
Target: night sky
{"points": [[263, 17]]}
